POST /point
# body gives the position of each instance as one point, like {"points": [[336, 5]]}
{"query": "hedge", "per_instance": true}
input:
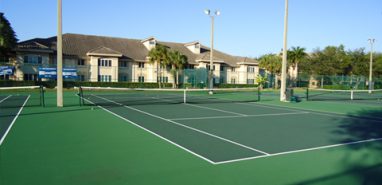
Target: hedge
{"points": [[71, 84]]}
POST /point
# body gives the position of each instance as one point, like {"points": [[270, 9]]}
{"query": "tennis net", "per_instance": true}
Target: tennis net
{"points": [[17, 96], [139, 96], [330, 94]]}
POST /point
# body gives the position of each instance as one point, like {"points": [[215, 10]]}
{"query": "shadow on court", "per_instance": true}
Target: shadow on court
{"points": [[362, 163]]}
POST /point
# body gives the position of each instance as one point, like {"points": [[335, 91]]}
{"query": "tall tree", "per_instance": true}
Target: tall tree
{"points": [[159, 55], [177, 61], [271, 63], [8, 40], [295, 56]]}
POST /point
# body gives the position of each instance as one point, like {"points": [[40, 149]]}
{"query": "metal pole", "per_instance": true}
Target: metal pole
{"points": [[371, 65], [284, 62], [212, 53], [59, 55]]}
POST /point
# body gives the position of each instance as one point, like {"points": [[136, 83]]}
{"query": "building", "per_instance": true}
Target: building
{"points": [[110, 59]]}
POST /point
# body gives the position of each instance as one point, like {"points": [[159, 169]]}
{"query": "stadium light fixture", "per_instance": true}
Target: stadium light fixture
{"points": [[211, 72]]}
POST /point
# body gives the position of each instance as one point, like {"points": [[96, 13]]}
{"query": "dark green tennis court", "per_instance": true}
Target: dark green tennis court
{"points": [[222, 132], [230, 137]]}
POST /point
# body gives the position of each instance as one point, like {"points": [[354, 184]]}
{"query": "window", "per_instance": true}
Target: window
{"points": [[4, 77], [141, 79], [122, 63], [32, 59], [152, 42], [141, 65], [233, 80], [208, 67], [197, 46], [164, 79], [233, 69], [221, 80], [188, 66], [122, 78], [30, 77], [81, 78], [251, 69], [104, 62], [81, 62], [104, 78], [221, 68], [250, 81]]}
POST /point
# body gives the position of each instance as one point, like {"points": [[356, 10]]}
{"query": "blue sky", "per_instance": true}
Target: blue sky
{"points": [[246, 27]]}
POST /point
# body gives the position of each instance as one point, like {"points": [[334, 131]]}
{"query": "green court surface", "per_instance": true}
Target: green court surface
{"points": [[112, 141]]}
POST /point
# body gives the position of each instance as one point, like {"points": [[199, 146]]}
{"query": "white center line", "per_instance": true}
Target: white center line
{"points": [[219, 110]]}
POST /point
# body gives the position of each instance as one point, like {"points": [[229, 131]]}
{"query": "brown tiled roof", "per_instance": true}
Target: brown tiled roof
{"points": [[79, 45]]}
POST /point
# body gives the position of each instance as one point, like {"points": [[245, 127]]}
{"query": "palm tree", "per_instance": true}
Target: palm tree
{"points": [[177, 61], [261, 80], [159, 55], [271, 63], [296, 55]]}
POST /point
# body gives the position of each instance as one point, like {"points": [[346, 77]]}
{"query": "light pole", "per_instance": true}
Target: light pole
{"points": [[371, 65], [211, 71], [285, 50], [60, 102]]}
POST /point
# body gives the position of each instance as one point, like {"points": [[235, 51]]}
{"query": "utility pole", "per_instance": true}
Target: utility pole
{"points": [[284, 62], [371, 65], [60, 102]]}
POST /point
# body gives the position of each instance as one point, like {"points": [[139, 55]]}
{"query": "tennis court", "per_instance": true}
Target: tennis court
{"points": [[140, 136], [221, 131], [12, 102]]}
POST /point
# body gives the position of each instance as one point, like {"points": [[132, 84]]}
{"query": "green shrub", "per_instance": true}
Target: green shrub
{"points": [[236, 85]]}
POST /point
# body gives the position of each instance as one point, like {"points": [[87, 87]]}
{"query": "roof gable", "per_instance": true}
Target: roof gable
{"points": [[103, 51]]}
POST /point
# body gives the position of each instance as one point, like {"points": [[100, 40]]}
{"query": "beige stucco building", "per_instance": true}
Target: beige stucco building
{"points": [[110, 59]]}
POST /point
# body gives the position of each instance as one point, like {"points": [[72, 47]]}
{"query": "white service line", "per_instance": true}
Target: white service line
{"points": [[151, 132], [5, 98], [302, 150], [255, 115], [202, 107], [185, 126], [13, 121], [318, 112], [219, 110]]}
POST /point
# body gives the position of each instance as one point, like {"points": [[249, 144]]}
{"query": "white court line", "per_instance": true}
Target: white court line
{"points": [[13, 121], [258, 115], [302, 150], [151, 132], [5, 98], [202, 107], [219, 110], [319, 112], [185, 126]]}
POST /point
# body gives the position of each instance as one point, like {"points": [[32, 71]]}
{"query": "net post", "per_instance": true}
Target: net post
{"points": [[80, 95], [307, 94], [351, 94], [42, 96], [258, 94], [184, 96]]}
